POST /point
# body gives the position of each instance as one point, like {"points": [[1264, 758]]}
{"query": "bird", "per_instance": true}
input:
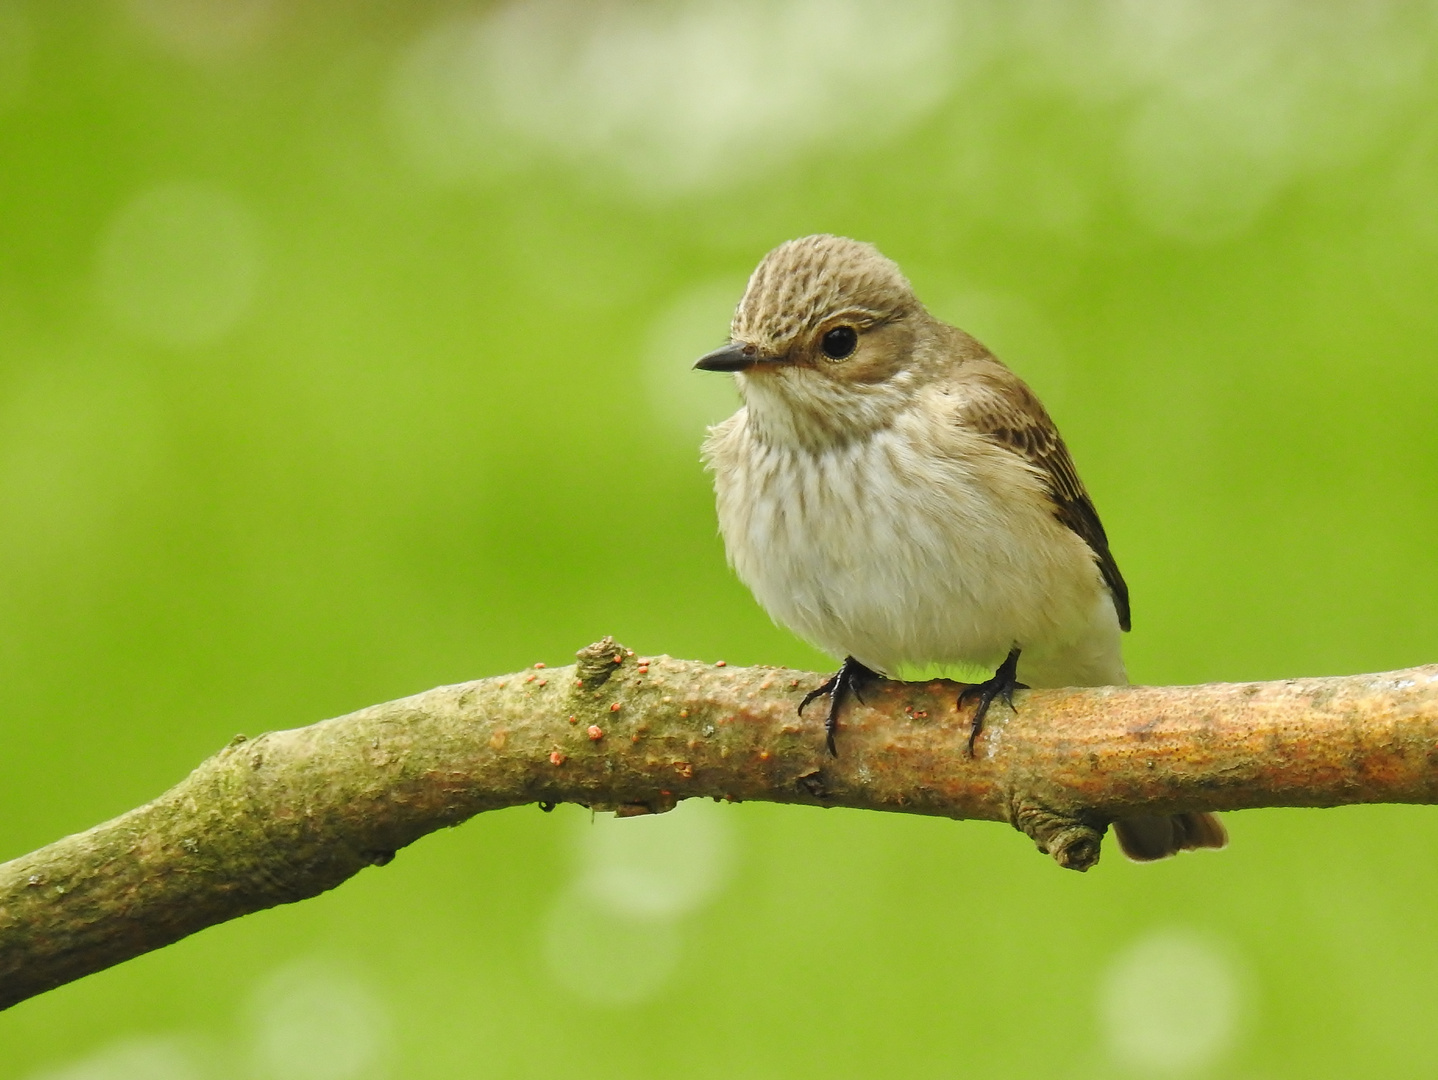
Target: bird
{"points": [[895, 495]]}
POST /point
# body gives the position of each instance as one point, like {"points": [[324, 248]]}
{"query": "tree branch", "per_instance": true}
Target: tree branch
{"points": [[290, 814]]}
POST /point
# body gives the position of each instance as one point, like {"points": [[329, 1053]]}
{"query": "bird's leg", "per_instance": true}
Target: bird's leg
{"points": [[847, 680], [1002, 685]]}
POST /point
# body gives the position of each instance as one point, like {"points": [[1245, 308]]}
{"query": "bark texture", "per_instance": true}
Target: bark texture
{"points": [[289, 814]]}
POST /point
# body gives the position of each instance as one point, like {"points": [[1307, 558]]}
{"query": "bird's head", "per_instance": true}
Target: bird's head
{"points": [[824, 341]]}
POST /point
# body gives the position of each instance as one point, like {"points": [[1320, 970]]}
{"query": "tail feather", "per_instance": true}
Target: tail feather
{"points": [[1145, 839], [1095, 658]]}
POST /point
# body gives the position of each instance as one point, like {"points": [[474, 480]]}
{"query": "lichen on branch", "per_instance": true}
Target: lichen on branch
{"points": [[290, 814]]}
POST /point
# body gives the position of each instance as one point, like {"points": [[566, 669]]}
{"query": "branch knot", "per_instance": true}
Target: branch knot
{"points": [[599, 661], [1072, 840]]}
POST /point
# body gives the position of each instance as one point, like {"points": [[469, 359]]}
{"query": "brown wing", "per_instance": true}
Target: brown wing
{"points": [[1006, 410]]}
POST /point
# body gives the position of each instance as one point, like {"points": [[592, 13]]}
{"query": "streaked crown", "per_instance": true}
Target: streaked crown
{"points": [[804, 282]]}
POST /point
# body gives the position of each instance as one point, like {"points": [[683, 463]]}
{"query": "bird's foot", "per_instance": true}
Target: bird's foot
{"points": [[850, 677], [1002, 685]]}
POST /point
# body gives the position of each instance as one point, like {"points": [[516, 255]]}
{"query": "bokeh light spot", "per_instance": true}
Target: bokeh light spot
{"points": [[606, 955], [1229, 101], [613, 937], [130, 1059], [1170, 1004], [1196, 175], [179, 264], [311, 1021], [683, 401], [658, 865], [697, 95]]}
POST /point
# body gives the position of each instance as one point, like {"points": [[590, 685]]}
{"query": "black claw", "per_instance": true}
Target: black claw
{"points": [[819, 691], [1002, 685], [847, 680]]}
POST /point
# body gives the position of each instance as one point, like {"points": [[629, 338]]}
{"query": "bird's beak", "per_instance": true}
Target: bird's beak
{"points": [[730, 357]]}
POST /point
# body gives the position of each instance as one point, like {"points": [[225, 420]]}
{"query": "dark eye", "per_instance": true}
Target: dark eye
{"points": [[839, 342]]}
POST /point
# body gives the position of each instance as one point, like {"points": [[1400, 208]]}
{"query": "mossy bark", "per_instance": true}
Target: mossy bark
{"points": [[289, 814]]}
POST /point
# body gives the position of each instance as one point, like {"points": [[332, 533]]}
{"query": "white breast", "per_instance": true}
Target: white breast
{"points": [[889, 551]]}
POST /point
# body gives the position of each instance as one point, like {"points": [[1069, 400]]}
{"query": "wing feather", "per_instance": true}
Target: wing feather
{"points": [[1000, 406]]}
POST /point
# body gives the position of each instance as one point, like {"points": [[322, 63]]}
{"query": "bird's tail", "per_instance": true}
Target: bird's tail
{"points": [[1145, 839]]}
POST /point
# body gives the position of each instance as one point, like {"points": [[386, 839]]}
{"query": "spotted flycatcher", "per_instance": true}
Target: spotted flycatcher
{"points": [[895, 495]]}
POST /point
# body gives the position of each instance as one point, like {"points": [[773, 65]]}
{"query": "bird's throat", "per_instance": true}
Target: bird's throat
{"points": [[803, 410]]}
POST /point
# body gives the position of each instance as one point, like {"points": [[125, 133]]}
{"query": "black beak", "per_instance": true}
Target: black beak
{"points": [[728, 358]]}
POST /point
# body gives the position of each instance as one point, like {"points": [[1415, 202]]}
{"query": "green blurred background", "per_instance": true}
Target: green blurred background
{"points": [[344, 352]]}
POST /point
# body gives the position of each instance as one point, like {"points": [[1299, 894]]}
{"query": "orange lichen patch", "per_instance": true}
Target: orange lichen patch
{"points": [[614, 706], [539, 665], [595, 732], [574, 719], [557, 758], [721, 663]]}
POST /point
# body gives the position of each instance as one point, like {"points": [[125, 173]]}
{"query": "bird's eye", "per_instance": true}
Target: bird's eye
{"points": [[839, 342]]}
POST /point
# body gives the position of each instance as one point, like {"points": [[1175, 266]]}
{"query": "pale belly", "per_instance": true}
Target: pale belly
{"points": [[873, 553]]}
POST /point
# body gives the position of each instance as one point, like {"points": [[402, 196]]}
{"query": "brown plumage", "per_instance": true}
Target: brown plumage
{"points": [[897, 496], [1011, 413]]}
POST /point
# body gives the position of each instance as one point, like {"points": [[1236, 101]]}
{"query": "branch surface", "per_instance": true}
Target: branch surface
{"points": [[290, 814]]}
